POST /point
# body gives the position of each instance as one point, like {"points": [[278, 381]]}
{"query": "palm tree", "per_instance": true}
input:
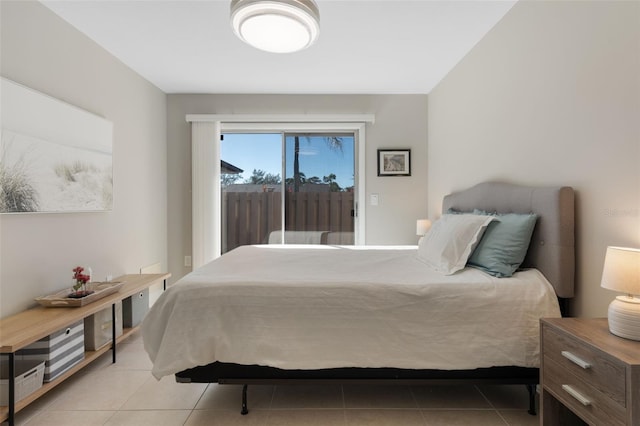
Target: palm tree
{"points": [[331, 180], [260, 177], [296, 164], [333, 142], [302, 179]]}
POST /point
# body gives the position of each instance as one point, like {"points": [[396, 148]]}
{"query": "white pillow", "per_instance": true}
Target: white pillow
{"points": [[451, 240]]}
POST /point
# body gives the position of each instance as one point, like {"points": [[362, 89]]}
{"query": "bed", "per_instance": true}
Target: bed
{"points": [[296, 313]]}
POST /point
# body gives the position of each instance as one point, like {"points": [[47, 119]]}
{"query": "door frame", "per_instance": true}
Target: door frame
{"points": [[206, 192]]}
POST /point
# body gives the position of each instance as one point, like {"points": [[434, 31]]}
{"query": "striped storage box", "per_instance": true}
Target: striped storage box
{"points": [[60, 351]]}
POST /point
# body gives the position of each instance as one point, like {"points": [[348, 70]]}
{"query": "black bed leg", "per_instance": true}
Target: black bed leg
{"points": [[245, 410], [532, 399]]}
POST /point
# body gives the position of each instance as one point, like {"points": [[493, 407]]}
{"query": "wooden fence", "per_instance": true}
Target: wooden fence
{"points": [[249, 217]]}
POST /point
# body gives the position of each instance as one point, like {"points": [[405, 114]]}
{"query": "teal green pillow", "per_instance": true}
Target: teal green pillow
{"points": [[504, 244]]}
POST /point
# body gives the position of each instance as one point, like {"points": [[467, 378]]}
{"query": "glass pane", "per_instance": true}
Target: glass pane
{"points": [[319, 184], [251, 187]]}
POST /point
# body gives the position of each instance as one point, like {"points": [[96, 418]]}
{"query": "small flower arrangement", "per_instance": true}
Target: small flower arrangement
{"points": [[81, 281]]}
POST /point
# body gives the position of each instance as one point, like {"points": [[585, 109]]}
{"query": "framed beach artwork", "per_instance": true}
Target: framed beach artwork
{"points": [[54, 157], [394, 162]]}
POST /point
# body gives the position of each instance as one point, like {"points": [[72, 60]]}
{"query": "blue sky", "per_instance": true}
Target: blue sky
{"points": [[263, 151]]}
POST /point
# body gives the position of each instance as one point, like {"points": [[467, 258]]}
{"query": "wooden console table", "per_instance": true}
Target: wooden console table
{"points": [[24, 328]]}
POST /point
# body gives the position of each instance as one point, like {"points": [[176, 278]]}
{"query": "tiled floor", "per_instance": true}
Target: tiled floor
{"points": [[125, 393]]}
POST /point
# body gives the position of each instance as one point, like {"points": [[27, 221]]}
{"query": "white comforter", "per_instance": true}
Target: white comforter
{"points": [[312, 307]]}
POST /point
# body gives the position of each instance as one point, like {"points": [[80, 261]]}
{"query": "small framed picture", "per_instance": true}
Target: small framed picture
{"points": [[394, 162]]}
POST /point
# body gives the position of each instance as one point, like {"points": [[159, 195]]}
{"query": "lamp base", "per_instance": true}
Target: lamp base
{"points": [[624, 317]]}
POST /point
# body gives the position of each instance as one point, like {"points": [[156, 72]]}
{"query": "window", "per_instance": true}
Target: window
{"points": [[287, 188], [206, 130]]}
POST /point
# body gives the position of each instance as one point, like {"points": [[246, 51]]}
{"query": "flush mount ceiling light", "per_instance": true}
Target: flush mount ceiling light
{"points": [[279, 26]]}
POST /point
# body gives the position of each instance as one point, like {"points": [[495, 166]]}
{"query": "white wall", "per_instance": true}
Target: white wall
{"points": [[400, 123], [551, 96], [38, 251]]}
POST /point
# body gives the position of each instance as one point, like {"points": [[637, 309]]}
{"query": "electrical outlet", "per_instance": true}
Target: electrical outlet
{"points": [[187, 261]]}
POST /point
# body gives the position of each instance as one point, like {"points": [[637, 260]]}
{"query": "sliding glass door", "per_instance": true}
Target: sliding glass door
{"points": [[319, 180], [287, 188], [251, 188]]}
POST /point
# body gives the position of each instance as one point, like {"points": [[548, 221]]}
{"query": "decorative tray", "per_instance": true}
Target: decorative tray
{"points": [[62, 300]]}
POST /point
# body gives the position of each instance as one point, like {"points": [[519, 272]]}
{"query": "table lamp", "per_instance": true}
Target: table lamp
{"points": [[621, 273], [422, 227]]}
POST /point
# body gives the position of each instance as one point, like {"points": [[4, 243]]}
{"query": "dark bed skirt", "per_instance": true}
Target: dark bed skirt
{"points": [[219, 372], [226, 373]]}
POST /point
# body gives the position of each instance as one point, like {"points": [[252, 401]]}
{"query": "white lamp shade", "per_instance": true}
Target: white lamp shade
{"points": [[279, 26], [422, 226], [621, 270]]}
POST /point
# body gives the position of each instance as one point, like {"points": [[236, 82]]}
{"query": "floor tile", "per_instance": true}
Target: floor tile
{"points": [[306, 418], [226, 418], [71, 418], [134, 339], [132, 356], [149, 418], [101, 390], [23, 416], [449, 396], [506, 396], [384, 418], [165, 394], [519, 418], [378, 396], [229, 397], [104, 360], [308, 396], [462, 418], [127, 358], [125, 394]]}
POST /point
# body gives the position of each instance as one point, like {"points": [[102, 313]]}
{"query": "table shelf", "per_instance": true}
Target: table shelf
{"points": [[26, 327]]}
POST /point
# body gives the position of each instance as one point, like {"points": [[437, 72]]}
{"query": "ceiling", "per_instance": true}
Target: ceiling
{"points": [[365, 46]]}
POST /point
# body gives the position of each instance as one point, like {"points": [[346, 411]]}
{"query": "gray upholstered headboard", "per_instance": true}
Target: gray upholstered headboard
{"points": [[552, 249]]}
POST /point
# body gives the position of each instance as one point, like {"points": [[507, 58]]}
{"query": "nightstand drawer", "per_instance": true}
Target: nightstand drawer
{"points": [[584, 399], [589, 366]]}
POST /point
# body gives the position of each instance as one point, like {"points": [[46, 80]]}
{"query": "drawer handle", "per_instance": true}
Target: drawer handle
{"points": [[576, 360], [577, 395]]}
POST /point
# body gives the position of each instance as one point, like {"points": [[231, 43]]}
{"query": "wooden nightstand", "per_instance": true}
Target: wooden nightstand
{"points": [[588, 373]]}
